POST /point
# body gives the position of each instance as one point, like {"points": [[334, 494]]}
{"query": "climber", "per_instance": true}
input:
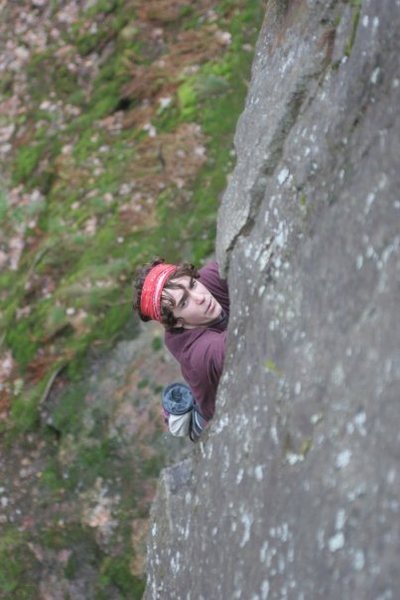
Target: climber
{"points": [[193, 307]]}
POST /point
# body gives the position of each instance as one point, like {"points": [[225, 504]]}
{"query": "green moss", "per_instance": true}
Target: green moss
{"points": [[106, 105], [19, 340], [51, 477], [91, 462], [24, 408], [187, 99], [303, 200], [115, 571], [17, 566], [67, 415], [3, 204], [112, 323], [102, 6], [306, 446], [45, 71], [156, 344], [356, 6], [6, 84], [152, 466], [26, 161], [89, 141], [210, 85], [270, 365]]}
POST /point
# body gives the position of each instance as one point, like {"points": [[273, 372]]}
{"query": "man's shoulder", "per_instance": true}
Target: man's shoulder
{"points": [[191, 344], [205, 347], [181, 341]]}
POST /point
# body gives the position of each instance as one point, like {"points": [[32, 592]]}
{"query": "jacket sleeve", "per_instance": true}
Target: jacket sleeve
{"points": [[206, 369]]}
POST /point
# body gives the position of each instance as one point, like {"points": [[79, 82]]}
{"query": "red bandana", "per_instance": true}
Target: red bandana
{"points": [[150, 302]]}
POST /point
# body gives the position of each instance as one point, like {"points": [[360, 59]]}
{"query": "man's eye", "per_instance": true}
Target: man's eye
{"points": [[193, 283]]}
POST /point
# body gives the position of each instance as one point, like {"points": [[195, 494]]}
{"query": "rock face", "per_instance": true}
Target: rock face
{"points": [[294, 492]]}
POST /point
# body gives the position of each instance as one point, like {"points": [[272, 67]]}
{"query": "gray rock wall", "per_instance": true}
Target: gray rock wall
{"points": [[295, 491]]}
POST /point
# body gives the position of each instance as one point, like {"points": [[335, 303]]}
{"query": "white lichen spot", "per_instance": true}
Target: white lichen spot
{"points": [[391, 476], [359, 422], [263, 552], [375, 75], [292, 458], [258, 472], [248, 250], [369, 253], [365, 20], [395, 83], [221, 423], [214, 531], [336, 542], [338, 375], [340, 519], [387, 594], [343, 459], [297, 388], [359, 261], [274, 435], [239, 476], [281, 236], [261, 291], [375, 22], [357, 492], [284, 532], [359, 560], [283, 175], [369, 202], [175, 563], [316, 418], [247, 520], [264, 590]]}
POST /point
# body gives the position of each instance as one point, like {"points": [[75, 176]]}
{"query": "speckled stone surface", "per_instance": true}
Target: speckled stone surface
{"points": [[295, 491]]}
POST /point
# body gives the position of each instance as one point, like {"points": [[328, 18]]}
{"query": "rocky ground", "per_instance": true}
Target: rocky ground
{"points": [[70, 499]]}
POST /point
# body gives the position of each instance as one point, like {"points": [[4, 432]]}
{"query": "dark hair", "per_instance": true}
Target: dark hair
{"points": [[167, 301]]}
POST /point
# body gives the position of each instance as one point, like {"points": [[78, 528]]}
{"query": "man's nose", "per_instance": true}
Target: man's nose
{"points": [[198, 298]]}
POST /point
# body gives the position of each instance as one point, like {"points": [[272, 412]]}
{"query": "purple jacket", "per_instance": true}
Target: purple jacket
{"points": [[201, 351]]}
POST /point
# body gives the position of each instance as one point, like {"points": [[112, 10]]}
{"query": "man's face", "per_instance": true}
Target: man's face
{"points": [[195, 306]]}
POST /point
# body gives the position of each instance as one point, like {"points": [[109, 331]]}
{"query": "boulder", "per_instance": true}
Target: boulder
{"points": [[294, 491]]}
